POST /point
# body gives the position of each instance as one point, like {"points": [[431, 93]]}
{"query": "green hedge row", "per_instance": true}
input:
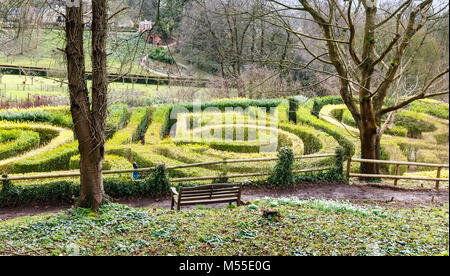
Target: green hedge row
{"points": [[308, 135], [221, 105], [135, 129], [344, 115], [414, 122], [161, 54], [58, 117], [110, 162], [320, 102], [304, 116], [14, 142], [156, 184], [431, 107], [118, 116], [51, 160]]}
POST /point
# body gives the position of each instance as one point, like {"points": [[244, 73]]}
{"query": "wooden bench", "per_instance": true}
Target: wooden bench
{"points": [[206, 194]]}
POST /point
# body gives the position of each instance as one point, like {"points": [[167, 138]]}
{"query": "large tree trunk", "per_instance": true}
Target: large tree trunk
{"points": [[369, 137], [369, 148], [88, 121]]}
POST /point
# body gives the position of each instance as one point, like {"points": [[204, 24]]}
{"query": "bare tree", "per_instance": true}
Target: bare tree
{"points": [[369, 48], [88, 113]]}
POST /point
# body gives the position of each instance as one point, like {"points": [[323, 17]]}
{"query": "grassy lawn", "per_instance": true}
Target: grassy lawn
{"points": [[13, 87], [125, 50], [304, 227]]}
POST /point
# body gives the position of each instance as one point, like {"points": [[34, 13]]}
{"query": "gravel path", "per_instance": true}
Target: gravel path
{"points": [[361, 192]]}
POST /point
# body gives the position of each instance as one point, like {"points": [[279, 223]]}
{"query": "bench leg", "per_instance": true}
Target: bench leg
{"points": [[171, 205]]}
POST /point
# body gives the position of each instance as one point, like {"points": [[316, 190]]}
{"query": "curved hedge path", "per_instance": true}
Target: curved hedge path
{"points": [[146, 135]]}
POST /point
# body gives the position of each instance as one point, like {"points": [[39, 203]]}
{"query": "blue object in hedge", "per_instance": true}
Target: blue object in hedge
{"points": [[135, 174]]}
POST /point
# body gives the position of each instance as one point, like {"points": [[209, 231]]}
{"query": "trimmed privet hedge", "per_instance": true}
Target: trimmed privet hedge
{"points": [[139, 134], [135, 129], [118, 116], [308, 135], [292, 111], [14, 142], [221, 105], [51, 160], [431, 107], [55, 116], [344, 115], [414, 122], [320, 102], [157, 184], [46, 133], [111, 162], [304, 116]]}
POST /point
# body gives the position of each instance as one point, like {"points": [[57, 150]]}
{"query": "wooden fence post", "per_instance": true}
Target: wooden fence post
{"points": [[396, 173], [349, 161], [438, 176], [5, 183], [225, 169]]}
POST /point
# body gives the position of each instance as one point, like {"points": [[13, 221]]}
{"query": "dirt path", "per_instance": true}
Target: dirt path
{"points": [[374, 193]]}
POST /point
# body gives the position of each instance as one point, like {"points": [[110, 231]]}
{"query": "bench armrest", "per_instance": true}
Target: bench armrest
{"points": [[173, 191]]}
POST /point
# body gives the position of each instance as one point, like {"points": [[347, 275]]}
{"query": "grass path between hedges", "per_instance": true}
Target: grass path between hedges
{"points": [[325, 114], [65, 136]]}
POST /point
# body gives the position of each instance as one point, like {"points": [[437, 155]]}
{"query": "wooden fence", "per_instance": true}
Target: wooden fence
{"points": [[113, 77], [397, 164], [223, 162]]}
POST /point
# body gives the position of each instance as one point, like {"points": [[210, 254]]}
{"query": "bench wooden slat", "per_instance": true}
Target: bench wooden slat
{"points": [[209, 186], [212, 193], [221, 200], [184, 199]]}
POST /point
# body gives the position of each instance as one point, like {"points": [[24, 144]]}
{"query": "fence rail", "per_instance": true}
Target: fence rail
{"points": [[5, 177], [114, 77], [397, 164], [223, 162]]}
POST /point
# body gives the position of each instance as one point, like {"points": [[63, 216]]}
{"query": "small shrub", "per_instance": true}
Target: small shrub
{"points": [[282, 172], [161, 54]]}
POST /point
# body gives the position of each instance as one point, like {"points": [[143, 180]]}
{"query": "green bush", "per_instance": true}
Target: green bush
{"points": [[414, 122], [292, 111], [308, 135], [397, 131], [441, 138], [337, 113], [282, 172], [161, 54]]}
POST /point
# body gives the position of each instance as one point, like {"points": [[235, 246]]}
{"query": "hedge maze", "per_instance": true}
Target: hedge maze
{"points": [[40, 140]]}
